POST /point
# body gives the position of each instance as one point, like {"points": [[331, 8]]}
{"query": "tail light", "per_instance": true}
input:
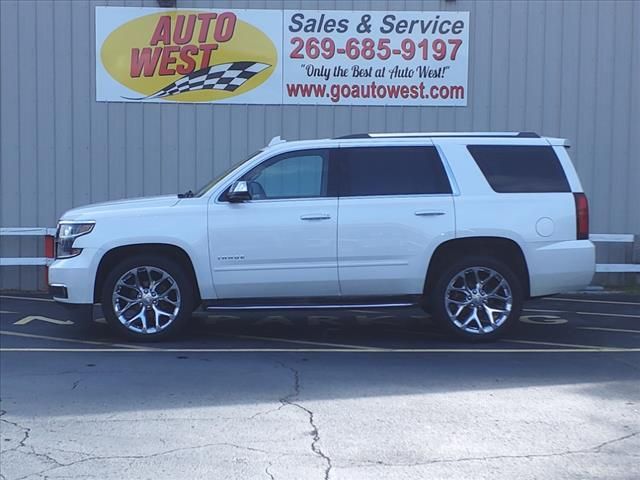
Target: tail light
{"points": [[582, 216]]}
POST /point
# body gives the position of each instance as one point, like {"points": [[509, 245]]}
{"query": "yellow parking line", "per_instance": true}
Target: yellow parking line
{"points": [[551, 299], [328, 350], [71, 340], [301, 342], [621, 330], [623, 315]]}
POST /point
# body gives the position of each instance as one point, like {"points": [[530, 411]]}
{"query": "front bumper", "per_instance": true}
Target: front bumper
{"points": [[74, 277]]}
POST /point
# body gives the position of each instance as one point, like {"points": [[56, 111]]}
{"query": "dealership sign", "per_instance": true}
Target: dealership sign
{"points": [[282, 57]]}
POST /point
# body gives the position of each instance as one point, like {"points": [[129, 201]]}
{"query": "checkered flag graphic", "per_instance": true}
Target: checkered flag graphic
{"points": [[224, 76]]}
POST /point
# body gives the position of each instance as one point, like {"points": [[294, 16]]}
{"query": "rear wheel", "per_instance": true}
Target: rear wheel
{"points": [[477, 298], [147, 298]]}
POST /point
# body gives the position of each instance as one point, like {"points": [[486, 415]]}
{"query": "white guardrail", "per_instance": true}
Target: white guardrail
{"points": [[49, 233]]}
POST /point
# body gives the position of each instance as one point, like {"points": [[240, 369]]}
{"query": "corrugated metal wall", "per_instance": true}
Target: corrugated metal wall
{"points": [[562, 68]]}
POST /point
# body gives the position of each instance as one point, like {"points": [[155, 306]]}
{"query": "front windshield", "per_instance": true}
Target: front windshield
{"points": [[225, 173]]}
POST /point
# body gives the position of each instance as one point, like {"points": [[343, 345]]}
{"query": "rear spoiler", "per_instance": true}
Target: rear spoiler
{"points": [[558, 142]]}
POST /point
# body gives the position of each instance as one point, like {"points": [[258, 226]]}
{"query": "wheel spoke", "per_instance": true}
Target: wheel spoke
{"points": [[127, 307]]}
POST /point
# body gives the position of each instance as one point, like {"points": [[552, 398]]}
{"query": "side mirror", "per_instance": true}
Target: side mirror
{"points": [[239, 192]]}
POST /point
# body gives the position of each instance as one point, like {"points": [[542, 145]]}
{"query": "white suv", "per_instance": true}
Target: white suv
{"points": [[467, 225]]}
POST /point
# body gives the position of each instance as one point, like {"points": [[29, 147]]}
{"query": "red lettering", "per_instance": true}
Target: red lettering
{"points": [[167, 60], [225, 26], [162, 33], [190, 63], [206, 50], [180, 37], [205, 18], [144, 61]]}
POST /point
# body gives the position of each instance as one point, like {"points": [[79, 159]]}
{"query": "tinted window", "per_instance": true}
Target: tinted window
{"points": [[391, 171], [290, 175], [520, 168]]}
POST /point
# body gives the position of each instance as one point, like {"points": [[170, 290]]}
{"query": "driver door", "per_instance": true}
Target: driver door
{"points": [[282, 242]]}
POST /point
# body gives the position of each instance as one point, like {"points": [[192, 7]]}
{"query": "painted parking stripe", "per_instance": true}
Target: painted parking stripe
{"points": [[301, 342], [37, 299], [553, 344], [544, 311], [602, 314], [327, 350], [612, 302], [605, 329], [71, 340]]}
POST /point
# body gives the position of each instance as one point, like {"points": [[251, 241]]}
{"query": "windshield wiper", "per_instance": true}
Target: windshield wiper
{"points": [[187, 194]]}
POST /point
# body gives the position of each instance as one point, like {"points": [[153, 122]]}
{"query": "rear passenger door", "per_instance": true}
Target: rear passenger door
{"points": [[395, 206]]}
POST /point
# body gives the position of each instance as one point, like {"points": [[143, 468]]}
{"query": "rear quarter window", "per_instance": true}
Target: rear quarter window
{"points": [[520, 168], [391, 170]]}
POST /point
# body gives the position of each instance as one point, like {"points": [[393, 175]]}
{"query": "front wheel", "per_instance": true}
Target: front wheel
{"points": [[477, 298], [147, 298]]}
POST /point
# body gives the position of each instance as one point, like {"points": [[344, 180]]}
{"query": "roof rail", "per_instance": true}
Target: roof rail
{"points": [[440, 134]]}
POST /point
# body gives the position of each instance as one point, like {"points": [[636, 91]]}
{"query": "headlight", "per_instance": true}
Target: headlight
{"points": [[67, 233]]}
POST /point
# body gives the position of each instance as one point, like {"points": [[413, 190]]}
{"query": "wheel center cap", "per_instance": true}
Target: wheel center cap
{"points": [[147, 299]]}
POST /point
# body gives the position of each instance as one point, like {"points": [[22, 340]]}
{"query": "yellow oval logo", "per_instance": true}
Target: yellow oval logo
{"points": [[189, 56]]}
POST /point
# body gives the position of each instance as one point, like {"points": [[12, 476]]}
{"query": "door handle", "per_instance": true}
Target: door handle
{"points": [[429, 213], [315, 216]]}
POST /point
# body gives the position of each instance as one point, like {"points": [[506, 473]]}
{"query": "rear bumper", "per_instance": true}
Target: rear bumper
{"points": [[561, 266]]}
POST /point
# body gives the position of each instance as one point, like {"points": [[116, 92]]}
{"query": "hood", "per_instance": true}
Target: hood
{"points": [[88, 212]]}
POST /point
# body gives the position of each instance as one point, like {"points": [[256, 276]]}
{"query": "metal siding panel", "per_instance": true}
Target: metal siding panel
{"points": [[619, 199], [585, 114], [204, 145], [551, 65], [499, 65], [534, 65], [134, 151], [152, 149], [9, 137], [186, 154], [168, 148], [116, 151], [603, 116], [632, 222], [517, 76], [28, 139], [480, 72]]}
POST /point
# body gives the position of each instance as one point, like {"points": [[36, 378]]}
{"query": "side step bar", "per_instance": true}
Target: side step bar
{"points": [[307, 307], [290, 303]]}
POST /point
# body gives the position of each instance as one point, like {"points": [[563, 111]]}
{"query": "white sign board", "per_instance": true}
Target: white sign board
{"points": [[282, 57]]}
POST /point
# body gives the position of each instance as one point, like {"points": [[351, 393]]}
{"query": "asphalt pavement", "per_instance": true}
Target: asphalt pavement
{"points": [[358, 394]]}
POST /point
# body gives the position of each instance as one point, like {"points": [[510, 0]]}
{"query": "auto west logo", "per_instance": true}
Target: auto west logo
{"points": [[189, 56]]}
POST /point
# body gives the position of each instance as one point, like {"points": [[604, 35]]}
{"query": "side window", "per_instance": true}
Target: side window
{"points": [[391, 171], [520, 168], [301, 174]]}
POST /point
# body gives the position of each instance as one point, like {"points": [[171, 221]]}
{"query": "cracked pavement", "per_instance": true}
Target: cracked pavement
{"points": [[324, 415]]}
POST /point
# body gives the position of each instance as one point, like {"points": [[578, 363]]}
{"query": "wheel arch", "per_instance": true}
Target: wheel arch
{"points": [[117, 254], [501, 248]]}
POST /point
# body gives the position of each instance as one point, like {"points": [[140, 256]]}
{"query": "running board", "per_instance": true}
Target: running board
{"points": [[311, 303], [307, 307]]}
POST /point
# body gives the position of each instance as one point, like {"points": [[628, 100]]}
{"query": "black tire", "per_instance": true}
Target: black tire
{"points": [[440, 303], [185, 295]]}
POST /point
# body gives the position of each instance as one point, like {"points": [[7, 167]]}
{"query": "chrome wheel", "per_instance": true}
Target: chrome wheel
{"points": [[146, 299], [478, 300]]}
